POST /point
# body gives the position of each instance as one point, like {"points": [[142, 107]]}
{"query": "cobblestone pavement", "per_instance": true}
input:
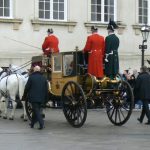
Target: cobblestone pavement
{"points": [[97, 134]]}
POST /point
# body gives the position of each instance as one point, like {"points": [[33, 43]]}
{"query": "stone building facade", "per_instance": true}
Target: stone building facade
{"points": [[23, 26]]}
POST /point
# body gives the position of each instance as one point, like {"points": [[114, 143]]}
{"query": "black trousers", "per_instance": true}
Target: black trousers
{"points": [[145, 110], [36, 115]]}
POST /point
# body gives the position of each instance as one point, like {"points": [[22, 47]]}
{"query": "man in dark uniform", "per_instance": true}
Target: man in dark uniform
{"points": [[36, 90], [142, 87], [111, 51]]}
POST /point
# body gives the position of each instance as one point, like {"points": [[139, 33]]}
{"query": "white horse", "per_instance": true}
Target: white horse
{"points": [[11, 86]]}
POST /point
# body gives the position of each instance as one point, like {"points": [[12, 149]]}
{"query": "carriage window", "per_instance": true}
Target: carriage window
{"points": [[68, 65], [57, 63]]}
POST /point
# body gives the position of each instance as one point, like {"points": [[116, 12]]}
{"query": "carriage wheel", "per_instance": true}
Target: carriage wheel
{"points": [[74, 104], [119, 106], [28, 108]]}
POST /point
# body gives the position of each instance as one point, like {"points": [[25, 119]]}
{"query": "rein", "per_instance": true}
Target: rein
{"points": [[23, 66]]}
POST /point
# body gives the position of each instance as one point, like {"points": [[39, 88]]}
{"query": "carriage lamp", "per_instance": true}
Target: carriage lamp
{"points": [[145, 33]]}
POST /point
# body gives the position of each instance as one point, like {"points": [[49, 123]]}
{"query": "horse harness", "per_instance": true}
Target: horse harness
{"points": [[6, 94]]}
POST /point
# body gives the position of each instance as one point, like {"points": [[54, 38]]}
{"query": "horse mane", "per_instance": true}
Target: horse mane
{"points": [[17, 69]]}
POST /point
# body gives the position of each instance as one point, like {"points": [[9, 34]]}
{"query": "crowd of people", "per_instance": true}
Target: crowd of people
{"points": [[140, 83]]}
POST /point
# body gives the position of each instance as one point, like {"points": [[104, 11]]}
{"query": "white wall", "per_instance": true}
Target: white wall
{"points": [[18, 53]]}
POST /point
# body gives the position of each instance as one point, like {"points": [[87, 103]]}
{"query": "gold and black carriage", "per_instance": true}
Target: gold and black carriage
{"points": [[70, 82]]}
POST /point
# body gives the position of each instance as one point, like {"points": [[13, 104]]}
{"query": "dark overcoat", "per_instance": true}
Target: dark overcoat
{"points": [[142, 86], [36, 89], [112, 44]]}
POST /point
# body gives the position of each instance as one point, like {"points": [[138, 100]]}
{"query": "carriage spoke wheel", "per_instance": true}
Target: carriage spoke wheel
{"points": [[74, 104], [28, 108], [119, 107]]}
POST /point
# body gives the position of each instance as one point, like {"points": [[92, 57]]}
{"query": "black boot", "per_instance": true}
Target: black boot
{"points": [[148, 122], [140, 121]]}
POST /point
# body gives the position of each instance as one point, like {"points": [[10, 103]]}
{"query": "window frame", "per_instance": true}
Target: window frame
{"points": [[148, 13], [52, 11], [57, 59], [11, 11], [102, 12], [68, 58]]}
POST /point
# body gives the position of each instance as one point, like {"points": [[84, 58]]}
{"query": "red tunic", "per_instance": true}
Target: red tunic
{"points": [[50, 45], [95, 45]]}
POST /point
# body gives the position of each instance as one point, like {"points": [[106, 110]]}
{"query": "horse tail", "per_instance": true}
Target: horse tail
{"points": [[22, 84]]}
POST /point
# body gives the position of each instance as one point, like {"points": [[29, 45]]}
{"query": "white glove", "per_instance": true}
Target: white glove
{"points": [[106, 60]]}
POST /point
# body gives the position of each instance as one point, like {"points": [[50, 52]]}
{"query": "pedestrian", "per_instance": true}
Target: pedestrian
{"points": [[126, 75], [36, 91], [95, 46], [50, 44], [111, 51], [142, 89]]}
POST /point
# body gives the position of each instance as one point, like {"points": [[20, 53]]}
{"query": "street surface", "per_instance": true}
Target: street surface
{"points": [[96, 134]]}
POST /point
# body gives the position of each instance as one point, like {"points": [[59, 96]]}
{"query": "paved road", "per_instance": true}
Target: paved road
{"points": [[97, 134]]}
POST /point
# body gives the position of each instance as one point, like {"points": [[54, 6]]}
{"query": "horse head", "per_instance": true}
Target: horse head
{"points": [[1, 69], [17, 69], [2, 73]]}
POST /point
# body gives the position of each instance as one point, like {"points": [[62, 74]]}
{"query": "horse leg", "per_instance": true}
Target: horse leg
{"points": [[24, 111], [22, 83], [1, 107], [14, 104], [5, 104]]}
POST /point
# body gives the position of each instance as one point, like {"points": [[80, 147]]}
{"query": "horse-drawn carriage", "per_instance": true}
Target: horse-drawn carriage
{"points": [[70, 82]]}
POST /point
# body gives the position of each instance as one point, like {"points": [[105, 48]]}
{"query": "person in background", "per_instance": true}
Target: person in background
{"points": [[95, 46], [126, 75], [50, 44], [111, 51], [142, 89], [36, 91], [138, 102]]}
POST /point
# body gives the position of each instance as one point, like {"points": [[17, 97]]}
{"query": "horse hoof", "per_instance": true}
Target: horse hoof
{"points": [[11, 118], [4, 117]]}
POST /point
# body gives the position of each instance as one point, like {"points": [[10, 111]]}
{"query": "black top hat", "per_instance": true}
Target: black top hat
{"points": [[50, 30], [112, 25], [93, 28]]}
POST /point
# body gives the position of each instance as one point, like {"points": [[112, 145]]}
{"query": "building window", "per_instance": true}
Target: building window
{"points": [[5, 8], [143, 11], [103, 10], [53, 9]]}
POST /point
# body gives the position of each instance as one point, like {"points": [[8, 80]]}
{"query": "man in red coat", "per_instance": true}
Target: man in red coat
{"points": [[95, 46], [50, 44]]}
